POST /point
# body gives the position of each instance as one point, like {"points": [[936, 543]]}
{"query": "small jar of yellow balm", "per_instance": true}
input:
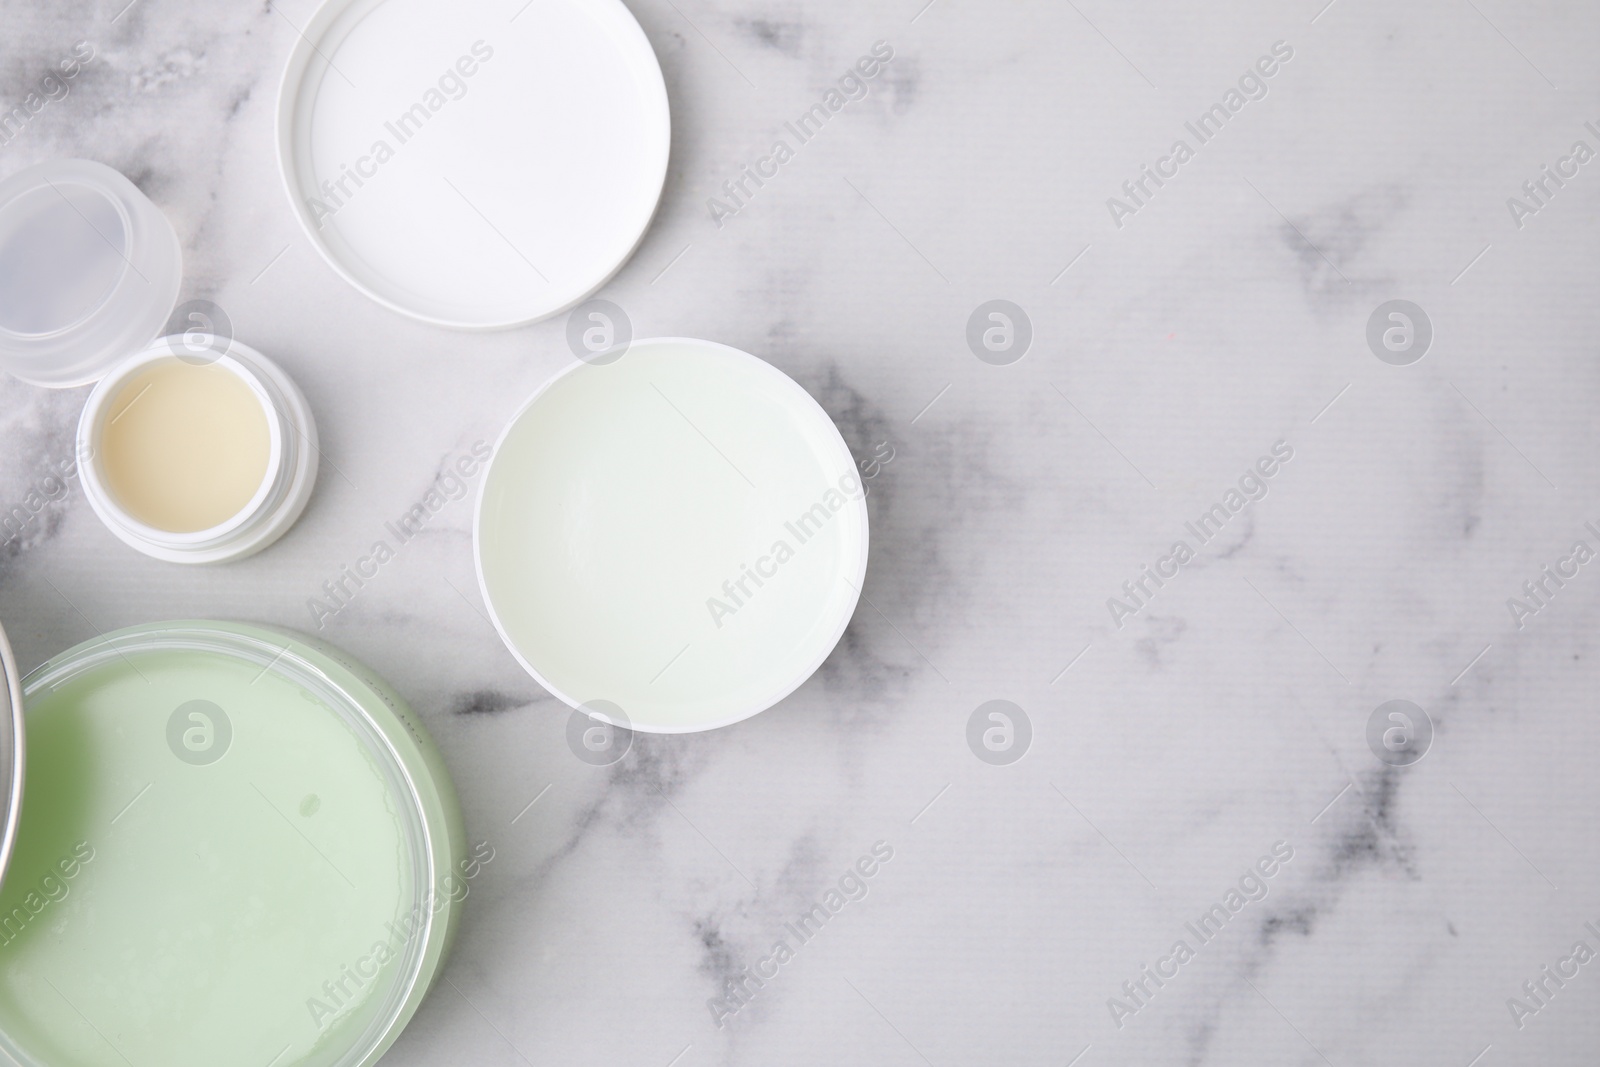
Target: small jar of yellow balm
{"points": [[197, 450]]}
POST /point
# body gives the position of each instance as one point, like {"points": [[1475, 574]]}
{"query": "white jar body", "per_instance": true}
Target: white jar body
{"points": [[291, 467]]}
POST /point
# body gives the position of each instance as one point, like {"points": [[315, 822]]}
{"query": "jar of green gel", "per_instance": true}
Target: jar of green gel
{"points": [[237, 846]]}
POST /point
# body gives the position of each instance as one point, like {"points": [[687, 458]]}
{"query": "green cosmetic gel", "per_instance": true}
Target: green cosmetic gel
{"points": [[236, 847]]}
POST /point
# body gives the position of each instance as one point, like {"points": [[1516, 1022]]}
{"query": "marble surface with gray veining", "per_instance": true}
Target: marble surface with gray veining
{"points": [[1181, 730]]}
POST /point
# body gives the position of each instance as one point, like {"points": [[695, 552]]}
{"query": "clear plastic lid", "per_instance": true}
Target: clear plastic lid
{"points": [[89, 271]]}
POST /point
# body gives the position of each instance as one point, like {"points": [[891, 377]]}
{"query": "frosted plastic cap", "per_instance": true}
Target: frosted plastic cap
{"points": [[89, 271]]}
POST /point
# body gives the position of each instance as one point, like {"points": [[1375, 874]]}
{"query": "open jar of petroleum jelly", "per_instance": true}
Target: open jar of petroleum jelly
{"points": [[238, 848], [197, 450]]}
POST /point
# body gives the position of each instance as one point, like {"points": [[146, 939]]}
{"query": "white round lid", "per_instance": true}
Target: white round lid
{"points": [[476, 164], [89, 271]]}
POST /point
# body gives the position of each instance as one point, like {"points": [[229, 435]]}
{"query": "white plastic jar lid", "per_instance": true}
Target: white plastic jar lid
{"points": [[474, 164], [89, 271]]}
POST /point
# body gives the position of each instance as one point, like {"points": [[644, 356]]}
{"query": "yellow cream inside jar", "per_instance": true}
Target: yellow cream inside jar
{"points": [[184, 446]]}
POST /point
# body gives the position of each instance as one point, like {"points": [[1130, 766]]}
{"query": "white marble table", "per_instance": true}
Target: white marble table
{"points": [[1176, 340]]}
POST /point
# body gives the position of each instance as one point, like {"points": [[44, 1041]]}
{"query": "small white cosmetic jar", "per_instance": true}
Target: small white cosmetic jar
{"points": [[291, 464]]}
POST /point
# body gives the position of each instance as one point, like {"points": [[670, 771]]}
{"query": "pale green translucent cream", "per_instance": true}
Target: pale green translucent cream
{"points": [[680, 532], [161, 911]]}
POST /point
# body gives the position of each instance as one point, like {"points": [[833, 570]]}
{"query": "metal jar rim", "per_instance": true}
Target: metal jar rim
{"points": [[10, 752]]}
